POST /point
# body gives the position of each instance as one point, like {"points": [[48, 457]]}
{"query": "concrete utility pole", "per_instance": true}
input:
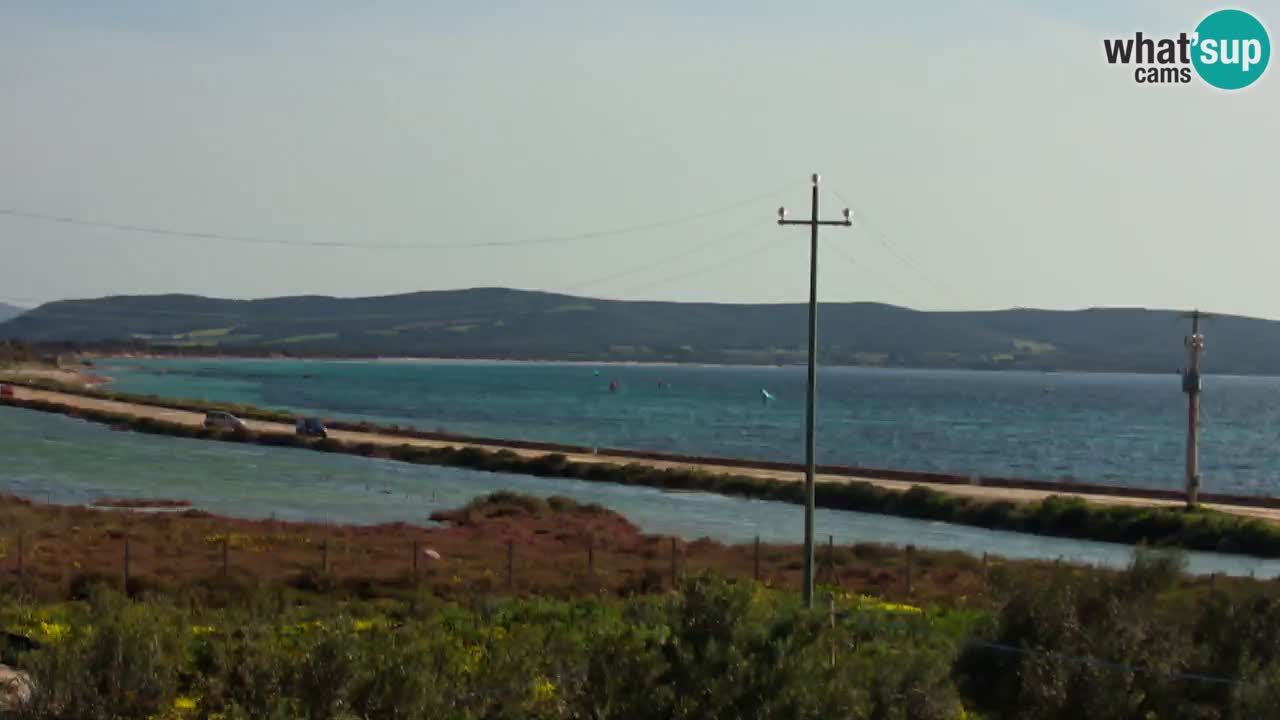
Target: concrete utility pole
{"points": [[811, 397], [1191, 386]]}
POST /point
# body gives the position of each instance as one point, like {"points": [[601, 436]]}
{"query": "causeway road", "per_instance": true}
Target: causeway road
{"points": [[975, 491]]}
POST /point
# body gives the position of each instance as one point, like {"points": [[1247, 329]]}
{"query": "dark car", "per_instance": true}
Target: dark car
{"points": [[311, 427], [223, 421]]}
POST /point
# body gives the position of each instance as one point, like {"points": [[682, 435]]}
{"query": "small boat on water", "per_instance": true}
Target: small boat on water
{"points": [[613, 386], [765, 396]]}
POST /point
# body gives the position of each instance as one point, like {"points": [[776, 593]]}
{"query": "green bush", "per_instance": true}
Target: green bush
{"points": [[1122, 646], [1058, 643]]}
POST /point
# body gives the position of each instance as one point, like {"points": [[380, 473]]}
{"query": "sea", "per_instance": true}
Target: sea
{"points": [[1122, 429]]}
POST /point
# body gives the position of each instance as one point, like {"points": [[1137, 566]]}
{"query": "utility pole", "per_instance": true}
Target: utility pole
{"points": [[1191, 386], [810, 448]]}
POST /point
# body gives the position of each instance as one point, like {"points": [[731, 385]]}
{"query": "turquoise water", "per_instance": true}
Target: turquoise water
{"points": [[54, 458], [1107, 428]]}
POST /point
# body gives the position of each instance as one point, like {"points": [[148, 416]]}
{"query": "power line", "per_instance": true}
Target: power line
{"points": [[234, 315], [847, 257], [255, 240], [753, 251], [68, 308], [670, 258], [902, 255]]}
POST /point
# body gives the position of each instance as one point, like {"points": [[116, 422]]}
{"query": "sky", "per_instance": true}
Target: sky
{"points": [[992, 157]]}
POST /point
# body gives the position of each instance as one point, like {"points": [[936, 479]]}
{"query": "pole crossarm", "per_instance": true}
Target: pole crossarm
{"points": [[838, 223], [811, 396]]}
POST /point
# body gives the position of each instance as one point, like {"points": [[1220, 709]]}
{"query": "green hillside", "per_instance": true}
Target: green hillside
{"points": [[501, 323]]}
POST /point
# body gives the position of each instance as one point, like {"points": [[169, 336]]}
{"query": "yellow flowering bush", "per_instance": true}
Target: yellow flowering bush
{"points": [[54, 632], [542, 690]]}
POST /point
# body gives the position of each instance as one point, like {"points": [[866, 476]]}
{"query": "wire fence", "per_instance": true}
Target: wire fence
{"points": [[362, 560], [162, 555]]}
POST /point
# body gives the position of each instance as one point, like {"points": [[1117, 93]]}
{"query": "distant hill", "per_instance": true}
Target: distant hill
{"points": [[8, 312], [516, 324]]}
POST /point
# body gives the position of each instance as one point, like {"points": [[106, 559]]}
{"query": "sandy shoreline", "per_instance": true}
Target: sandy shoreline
{"points": [[61, 375], [971, 491], [433, 361]]}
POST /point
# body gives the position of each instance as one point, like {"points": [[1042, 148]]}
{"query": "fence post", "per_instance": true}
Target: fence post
{"points": [[226, 556], [673, 563], [126, 565], [511, 556], [591, 556], [911, 563], [755, 571], [831, 559], [1213, 581], [831, 615]]}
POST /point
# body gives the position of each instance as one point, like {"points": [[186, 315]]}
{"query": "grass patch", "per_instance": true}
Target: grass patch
{"points": [[210, 333], [1034, 346], [307, 338]]}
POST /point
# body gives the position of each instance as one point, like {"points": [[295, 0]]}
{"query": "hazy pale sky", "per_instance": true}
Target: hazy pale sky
{"points": [[1003, 161]]}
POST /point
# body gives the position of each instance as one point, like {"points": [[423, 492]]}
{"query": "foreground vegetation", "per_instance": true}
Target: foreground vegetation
{"points": [[1056, 516], [1060, 643]]}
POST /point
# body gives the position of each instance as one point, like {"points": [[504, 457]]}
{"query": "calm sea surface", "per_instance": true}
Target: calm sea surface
{"points": [[54, 458], [1120, 429]]}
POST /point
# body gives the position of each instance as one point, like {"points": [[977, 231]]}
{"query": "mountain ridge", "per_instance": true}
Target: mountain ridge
{"points": [[504, 323], [8, 312]]}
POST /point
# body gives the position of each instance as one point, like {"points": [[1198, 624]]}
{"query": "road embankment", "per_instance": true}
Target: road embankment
{"points": [[1241, 525]]}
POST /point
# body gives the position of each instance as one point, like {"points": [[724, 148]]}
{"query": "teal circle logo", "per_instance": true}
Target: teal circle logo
{"points": [[1232, 49]]}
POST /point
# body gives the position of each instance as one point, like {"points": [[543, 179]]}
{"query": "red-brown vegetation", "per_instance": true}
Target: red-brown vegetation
{"points": [[554, 546]]}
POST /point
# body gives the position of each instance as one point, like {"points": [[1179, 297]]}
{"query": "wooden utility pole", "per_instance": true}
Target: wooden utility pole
{"points": [[1191, 385], [810, 446]]}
